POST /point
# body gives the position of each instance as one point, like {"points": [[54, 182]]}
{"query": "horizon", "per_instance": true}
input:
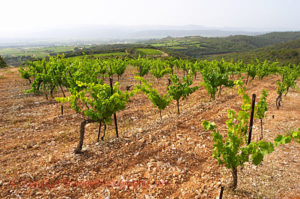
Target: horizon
{"points": [[23, 18]]}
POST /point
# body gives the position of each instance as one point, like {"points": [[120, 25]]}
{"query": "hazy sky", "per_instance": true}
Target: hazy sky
{"points": [[25, 15]]}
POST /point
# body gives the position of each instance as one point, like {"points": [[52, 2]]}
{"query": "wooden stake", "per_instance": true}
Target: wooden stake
{"points": [[115, 115], [221, 192], [251, 117]]}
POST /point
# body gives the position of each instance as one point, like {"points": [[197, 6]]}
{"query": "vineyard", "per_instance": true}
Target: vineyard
{"points": [[103, 127]]}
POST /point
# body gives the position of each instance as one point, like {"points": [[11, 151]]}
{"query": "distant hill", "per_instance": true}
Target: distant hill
{"points": [[285, 53], [198, 47], [103, 34], [157, 34], [277, 45]]}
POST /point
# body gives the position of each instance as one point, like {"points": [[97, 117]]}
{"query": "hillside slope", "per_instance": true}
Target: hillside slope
{"points": [[152, 159], [198, 47], [285, 53]]}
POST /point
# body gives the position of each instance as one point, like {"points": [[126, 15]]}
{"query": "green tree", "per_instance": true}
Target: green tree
{"points": [[119, 66], [261, 108], [181, 90], [96, 103], [232, 150], [159, 101], [143, 66], [215, 76], [159, 69], [251, 71], [289, 80], [25, 73]]}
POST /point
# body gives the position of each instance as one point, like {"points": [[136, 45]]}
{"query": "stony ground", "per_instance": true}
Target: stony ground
{"points": [[153, 158]]}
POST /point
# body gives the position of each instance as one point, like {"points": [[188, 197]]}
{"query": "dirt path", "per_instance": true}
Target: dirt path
{"points": [[152, 159]]}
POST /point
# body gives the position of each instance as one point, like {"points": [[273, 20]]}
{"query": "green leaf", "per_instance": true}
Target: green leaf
{"points": [[257, 158], [208, 126], [266, 147], [280, 139], [296, 135]]}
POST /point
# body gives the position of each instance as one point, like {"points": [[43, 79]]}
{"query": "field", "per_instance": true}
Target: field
{"points": [[281, 46], [17, 56], [103, 55], [110, 54], [153, 158], [285, 53], [38, 52], [148, 51], [212, 47]]}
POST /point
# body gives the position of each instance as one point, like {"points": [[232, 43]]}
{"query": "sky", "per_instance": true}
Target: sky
{"points": [[20, 16]]}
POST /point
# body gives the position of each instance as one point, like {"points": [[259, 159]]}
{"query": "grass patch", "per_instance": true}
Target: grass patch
{"points": [[102, 55], [39, 52], [148, 51], [178, 47], [158, 45], [110, 54]]}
